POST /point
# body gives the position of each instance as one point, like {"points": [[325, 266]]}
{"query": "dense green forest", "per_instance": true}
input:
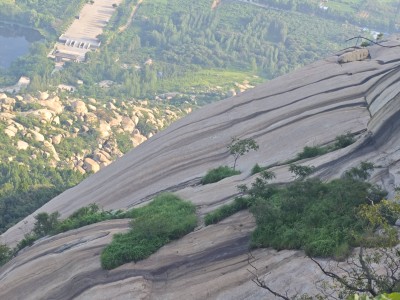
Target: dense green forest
{"points": [[379, 15], [189, 43], [191, 49], [23, 188], [50, 17]]}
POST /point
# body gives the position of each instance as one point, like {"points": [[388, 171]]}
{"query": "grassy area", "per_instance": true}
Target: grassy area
{"points": [[217, 174], [165, 219], [210, 79], [226, 210], [341, 141]]}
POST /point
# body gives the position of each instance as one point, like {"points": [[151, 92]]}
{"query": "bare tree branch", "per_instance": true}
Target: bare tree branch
{"points": [[261, 283]]}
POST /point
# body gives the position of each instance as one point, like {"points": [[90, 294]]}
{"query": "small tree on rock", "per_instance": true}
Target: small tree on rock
{"points": [[240, 147]]}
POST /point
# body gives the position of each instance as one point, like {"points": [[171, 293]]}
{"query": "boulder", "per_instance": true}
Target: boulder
{"points": [[43, 95], [137, 139], [21, 145], [79, 107], [18, 126], [103, 153], [56, 120], [135, 119], [100, 157], [8, 101], [42, 114], [53, 104], [9, 132], [111, 106], [6, 116], [91, 118], [90, 165], [127, 124], [13, 128], [356, 55], [115, 122], [3, 96], [38, 137], [56, 139], [52, 150], [104, 129], [6, 107], [80, 169]]}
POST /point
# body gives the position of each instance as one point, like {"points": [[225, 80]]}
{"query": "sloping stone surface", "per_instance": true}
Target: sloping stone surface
{"points": [[308, 107]]}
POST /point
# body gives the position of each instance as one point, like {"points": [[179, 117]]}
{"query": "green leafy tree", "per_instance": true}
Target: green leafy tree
{"points": [[238, 148], [5, 254], [45, 223], [301, 172]]}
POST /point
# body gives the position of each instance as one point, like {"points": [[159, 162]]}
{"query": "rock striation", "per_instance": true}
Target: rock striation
{"points": [[308, 107]]}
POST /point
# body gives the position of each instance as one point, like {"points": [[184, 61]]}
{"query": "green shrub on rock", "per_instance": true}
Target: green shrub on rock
{"points": [[217, 174], [165, 219]]}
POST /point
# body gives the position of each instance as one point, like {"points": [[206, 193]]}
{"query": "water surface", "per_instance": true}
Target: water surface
{"points": [[14, 42]]}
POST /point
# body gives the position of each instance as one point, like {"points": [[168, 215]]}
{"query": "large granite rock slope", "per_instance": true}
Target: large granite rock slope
{"points": [[305, 108]]}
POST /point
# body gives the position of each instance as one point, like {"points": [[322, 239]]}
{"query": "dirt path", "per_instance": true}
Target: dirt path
{"points": [[132, 15]]}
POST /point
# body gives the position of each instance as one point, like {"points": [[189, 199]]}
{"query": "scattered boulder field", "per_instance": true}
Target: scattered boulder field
{"points": [[308, 107], [84, 135]]}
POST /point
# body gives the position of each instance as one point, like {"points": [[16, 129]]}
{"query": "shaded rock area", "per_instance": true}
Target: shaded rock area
{"points": [[308, 107]]}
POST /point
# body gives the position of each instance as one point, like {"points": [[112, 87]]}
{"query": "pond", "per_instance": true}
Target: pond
{"points": [[14, 42]]}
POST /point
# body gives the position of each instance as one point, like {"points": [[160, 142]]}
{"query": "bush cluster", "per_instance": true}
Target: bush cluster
{"points": [[318, 217], [321, 218], [49, 224], [226, 210], [341, 141], [165, 219], [217, 174]]}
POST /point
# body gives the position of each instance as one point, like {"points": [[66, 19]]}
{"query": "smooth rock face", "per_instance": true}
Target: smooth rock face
{"points": [[308, 107]]}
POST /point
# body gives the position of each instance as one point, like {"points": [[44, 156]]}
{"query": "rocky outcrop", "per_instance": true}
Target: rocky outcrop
{"points": [[355, 55], [54, 104], [90, 165], [47, 127], [308, 107], [79, 107], [21, 145], [38, 137]]}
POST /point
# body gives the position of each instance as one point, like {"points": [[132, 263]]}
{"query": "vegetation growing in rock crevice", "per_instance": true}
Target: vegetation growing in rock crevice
{"points": [[165, 219], [341, 141], [217, 174], [319, 217], [239, 147]]}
